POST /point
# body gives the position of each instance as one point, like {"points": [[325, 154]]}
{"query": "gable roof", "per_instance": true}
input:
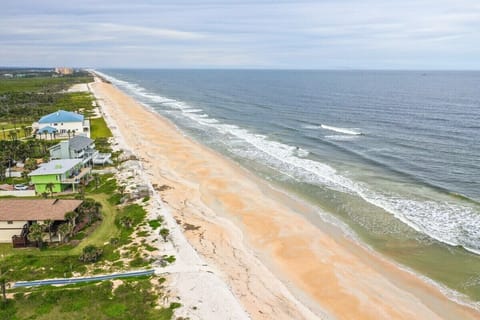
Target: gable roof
{"points": [[55, 167], [61, 116], [79, 142], [33, 209]]}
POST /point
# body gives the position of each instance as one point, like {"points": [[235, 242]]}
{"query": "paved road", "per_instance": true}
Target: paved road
{"points": [[83, 279]]}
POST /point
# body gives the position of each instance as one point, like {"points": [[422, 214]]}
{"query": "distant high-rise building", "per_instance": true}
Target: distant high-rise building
{"points": [[64, 70]]}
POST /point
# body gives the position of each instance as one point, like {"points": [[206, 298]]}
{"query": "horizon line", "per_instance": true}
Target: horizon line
{"points": [[241, 69]]}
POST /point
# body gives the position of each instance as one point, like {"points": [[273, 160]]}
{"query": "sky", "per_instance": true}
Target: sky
{"points": [[267, 34]]}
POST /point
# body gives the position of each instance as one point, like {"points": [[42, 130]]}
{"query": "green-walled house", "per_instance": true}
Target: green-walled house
{"points": [[61, 174]]}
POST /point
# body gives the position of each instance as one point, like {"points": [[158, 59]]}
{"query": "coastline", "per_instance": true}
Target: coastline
{"points": [[244, 237]]}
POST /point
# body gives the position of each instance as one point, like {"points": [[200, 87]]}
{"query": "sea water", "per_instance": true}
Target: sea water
{"points": [[395, 155]]}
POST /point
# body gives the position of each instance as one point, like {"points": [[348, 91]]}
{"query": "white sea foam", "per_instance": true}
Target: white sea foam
{"points": [[312, 127], [448, 222], [348, 131], [192, 110], [341, 137], [341, 130], [302, 153]]}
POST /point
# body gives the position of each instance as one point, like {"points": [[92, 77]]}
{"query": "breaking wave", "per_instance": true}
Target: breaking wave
{"points": [[455, 224]]}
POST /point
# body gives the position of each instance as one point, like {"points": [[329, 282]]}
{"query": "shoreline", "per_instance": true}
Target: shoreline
{"points": [[266, 223]]}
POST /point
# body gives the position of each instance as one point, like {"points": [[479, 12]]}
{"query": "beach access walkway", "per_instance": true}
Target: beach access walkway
{"points": [[66, 281], [127, 274]]}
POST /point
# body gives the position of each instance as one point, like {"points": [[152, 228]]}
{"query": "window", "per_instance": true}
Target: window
{"points": [[10, 222], [55, 124]]}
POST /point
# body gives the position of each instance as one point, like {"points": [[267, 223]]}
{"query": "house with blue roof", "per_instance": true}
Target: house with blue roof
{"points": [[62, 124]]}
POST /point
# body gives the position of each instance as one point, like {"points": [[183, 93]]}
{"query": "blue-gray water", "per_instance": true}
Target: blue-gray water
{"points": [[394, 155]]}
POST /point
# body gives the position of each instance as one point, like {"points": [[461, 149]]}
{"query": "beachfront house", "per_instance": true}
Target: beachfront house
{"points": [[61, 124], [59, 175], [17, 215], [79, 147]]}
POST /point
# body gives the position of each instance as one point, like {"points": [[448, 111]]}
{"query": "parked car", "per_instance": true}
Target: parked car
{"points": [[20, 187]]}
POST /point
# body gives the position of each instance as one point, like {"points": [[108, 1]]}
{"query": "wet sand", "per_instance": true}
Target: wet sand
{"points": [[277, 263]]}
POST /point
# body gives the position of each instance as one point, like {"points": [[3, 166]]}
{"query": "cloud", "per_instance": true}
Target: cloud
{"points": [[235, 33], [123, 30]]}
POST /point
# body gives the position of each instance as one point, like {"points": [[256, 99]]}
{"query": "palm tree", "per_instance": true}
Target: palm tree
{"points": [[30, 165], [64, 230], [97, 209], [28, 131], [71, 216], [3, 282], [96, 178], [35, 233], [91, 254], [126, 222], [12, 135], [91, 208], [48, 223], [50, 186]]}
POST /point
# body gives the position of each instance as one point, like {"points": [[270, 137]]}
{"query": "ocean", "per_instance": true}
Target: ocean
{"points": [[392, 156]]}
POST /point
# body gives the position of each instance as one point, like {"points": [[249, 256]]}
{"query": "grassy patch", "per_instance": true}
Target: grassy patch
{"points": [[39, 84], [139, 262], [149, 248], [155, 224], [107, 185], [143, 233], [115, 199], [134, 299], [99, 128], [75, 101], [37, 266], [105, 231]]}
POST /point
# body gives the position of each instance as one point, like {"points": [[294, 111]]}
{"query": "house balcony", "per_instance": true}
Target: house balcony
{"points": [[78, 177]]}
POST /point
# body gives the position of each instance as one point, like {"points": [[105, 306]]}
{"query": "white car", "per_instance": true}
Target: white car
{"points": [[20, 187]]}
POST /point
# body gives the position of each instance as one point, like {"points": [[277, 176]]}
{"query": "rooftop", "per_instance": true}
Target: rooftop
{"points": [[61, 116], [47, 129], [56, 167], [79, 143], [33, 209]]}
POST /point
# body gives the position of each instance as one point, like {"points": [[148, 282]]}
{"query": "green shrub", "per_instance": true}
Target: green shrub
{"points": [[155, 224], [90, 254]]}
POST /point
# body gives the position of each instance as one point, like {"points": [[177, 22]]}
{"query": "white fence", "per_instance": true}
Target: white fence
{"points": [[12, 174], [18, 193]]}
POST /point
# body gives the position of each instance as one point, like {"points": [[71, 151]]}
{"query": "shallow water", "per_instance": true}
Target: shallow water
{"points": [[394, 155]]}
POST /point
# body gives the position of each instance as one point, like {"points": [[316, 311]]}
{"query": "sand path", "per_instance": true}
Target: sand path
{"points": [[255, 235]]}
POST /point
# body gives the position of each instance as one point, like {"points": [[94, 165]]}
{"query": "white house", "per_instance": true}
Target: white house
{"points": [[62, 124], [79, 147]]}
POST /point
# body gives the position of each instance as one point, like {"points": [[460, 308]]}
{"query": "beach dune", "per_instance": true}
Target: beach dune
{"points": [[277, 263]]}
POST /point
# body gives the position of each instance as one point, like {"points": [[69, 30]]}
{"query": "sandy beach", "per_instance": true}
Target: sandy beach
{"points": [[276, 263]]}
